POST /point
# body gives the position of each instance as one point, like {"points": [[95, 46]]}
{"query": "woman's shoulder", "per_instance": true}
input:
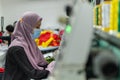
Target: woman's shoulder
{"points": [[15, 48]]}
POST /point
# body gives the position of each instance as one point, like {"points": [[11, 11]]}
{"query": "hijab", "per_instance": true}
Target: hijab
{"points": [[22, 37]]}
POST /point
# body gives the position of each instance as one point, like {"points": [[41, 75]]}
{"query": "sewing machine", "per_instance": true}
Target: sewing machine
{"points": [[73, 53]]}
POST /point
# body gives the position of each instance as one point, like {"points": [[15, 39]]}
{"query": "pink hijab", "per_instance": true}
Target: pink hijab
{"points": [[22, 37]]}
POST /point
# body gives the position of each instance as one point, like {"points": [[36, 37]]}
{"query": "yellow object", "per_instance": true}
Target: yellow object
{"points": [[48, 41], [116, 4], [114, 16], [42, 32], [37, 41], [94, 16], [21, 19], [45, 44], [106, 21], [118, 35]]}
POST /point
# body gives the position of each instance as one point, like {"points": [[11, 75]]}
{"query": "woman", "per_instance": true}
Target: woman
{"points": [[24, 61], [10, 30]]}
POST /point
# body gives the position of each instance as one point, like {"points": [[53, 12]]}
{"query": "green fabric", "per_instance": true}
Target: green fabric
{"points": [[97, 18], [119, 17]]}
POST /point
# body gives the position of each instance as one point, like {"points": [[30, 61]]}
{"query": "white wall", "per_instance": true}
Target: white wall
{"points": [[0, 8], [50, 10], [0, 13]]}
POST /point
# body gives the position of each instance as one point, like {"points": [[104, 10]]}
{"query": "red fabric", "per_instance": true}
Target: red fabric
{"points": [[46, 36], [0, 35], [0, 40], [61, 32], [2, 70]]}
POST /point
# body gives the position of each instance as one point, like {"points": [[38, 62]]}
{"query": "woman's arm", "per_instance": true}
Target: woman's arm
{"points": [[23, 62]]}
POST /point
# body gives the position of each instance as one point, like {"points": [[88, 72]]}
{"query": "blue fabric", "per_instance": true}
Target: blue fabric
{"points": [[36, 33]]}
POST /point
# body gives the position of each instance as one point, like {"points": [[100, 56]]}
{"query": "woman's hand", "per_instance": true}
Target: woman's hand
{"points": [[50, 67]]}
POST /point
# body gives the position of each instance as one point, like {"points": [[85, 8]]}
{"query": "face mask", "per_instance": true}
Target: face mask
{"points": [[36, 33]]}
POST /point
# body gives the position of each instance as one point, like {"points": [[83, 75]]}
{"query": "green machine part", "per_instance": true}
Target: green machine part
{"points": [[116, 51], [68, 28], [97, 16], [119, 17]]}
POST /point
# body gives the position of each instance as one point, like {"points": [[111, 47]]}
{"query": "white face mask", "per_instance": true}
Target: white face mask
{"points": [[36, 33]]}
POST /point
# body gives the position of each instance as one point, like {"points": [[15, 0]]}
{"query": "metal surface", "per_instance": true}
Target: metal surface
{"points": [[107, 37]]}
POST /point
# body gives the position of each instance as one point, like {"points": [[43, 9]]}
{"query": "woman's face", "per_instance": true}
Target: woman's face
{"points": [[38, 24]]}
